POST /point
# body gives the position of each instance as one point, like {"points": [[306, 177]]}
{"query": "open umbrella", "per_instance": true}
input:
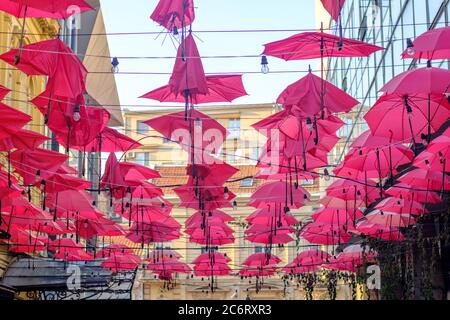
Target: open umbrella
{"points": [[333, 7], [3, 92], [174, 14], [52, 58], [326, 234], [415, 116], [378, 231], [306, 96], [431, 45], [111, 140], [313, 45], [407, 192], [35, 165], [12, 121], [23, 139]]}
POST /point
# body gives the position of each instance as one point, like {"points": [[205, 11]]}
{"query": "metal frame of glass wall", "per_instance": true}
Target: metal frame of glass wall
{"points": [[387, 23]]}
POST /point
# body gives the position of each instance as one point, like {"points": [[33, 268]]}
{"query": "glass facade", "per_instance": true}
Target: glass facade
{"points": [[386, 23]]}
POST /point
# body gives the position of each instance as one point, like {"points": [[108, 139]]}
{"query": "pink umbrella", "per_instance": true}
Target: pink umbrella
{"points": [[326, 234], [261, 259], [306, 95], [338, 217], [312, 257], [431, 45], [12, 121], [434, 161], [333, 7], [56, 9], [414, 116], [174, 14], [396, 205], [390, 219], [349, 190], [407, 192], [378, 231], [313, 45], [23, 139], [279, 192], [426, 179]]}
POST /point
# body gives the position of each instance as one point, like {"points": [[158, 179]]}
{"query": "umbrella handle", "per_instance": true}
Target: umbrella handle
{"points": [[22, 36]]}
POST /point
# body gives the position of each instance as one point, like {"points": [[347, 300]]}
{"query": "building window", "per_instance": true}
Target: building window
{"points": [[234, 127], [259, 249], [143, 158], [247, 183], [142, 128], [164, 246]]}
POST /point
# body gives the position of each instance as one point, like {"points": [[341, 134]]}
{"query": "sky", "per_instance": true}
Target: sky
{"points": [[133, 16]]}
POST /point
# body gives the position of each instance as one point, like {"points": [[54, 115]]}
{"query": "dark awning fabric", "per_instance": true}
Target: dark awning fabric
{"points": [[6, 293], [44, 274]]}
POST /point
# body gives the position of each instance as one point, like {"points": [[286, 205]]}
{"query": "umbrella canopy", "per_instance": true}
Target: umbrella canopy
{"points": [[61, 182], [12, 121], [188, 76], [339, 217], [35, 165], [352, 190], [431, 45], [435, 161], [403, 206], [379, 162], [23, 139], [174, 14], [3, 92], [313, 45], [115, 249], [56, 9], [52, 58], [261, 259], [413, 116], [378, 231], [326, 234], [211, 257], [333, 7], [424, 180], [390, 219], [111, 140], [212, 198], [119, 263], [277, 192], [221, 88], [306, 94], [419, 81], [407, 192], [312, 257]]}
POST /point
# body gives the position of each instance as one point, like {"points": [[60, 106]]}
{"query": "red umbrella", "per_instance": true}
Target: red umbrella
{"points": [[396, 205], [52, 58], [188, 77], [174, 127], [75, 125], [265, 271], [419, 81], [166, 268], [212, 270], [221, 88], [111, 140], [306, 96], [378, 231], [38, 164], [119, 263], [212, 235], [357, 253], [9, 186], [338, 203], [426, 179], [56, 9], [61, 182], [295, 268], [340, 217], [214, 214], [431, 45], [350, 190], [265, 216], [390, 219], [278, 192], [208, 257], [210, 198], [333, 7], [12, 121], [23, 139], [115, 249], [431, 160], [378, 162], [24, 242], [267, 235], [174, 14], [326, 234], [3, 92], [71, 201], [312, 257], [313, 45], [261, 259], [413, 116], [87, 229], [407, 192]]}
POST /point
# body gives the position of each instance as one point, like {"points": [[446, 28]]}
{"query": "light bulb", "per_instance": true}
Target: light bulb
{"points": [[326, 175], [226, 194], [76, 113], [198, 125], [264, 65], [410, 47], [115, 65]]}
